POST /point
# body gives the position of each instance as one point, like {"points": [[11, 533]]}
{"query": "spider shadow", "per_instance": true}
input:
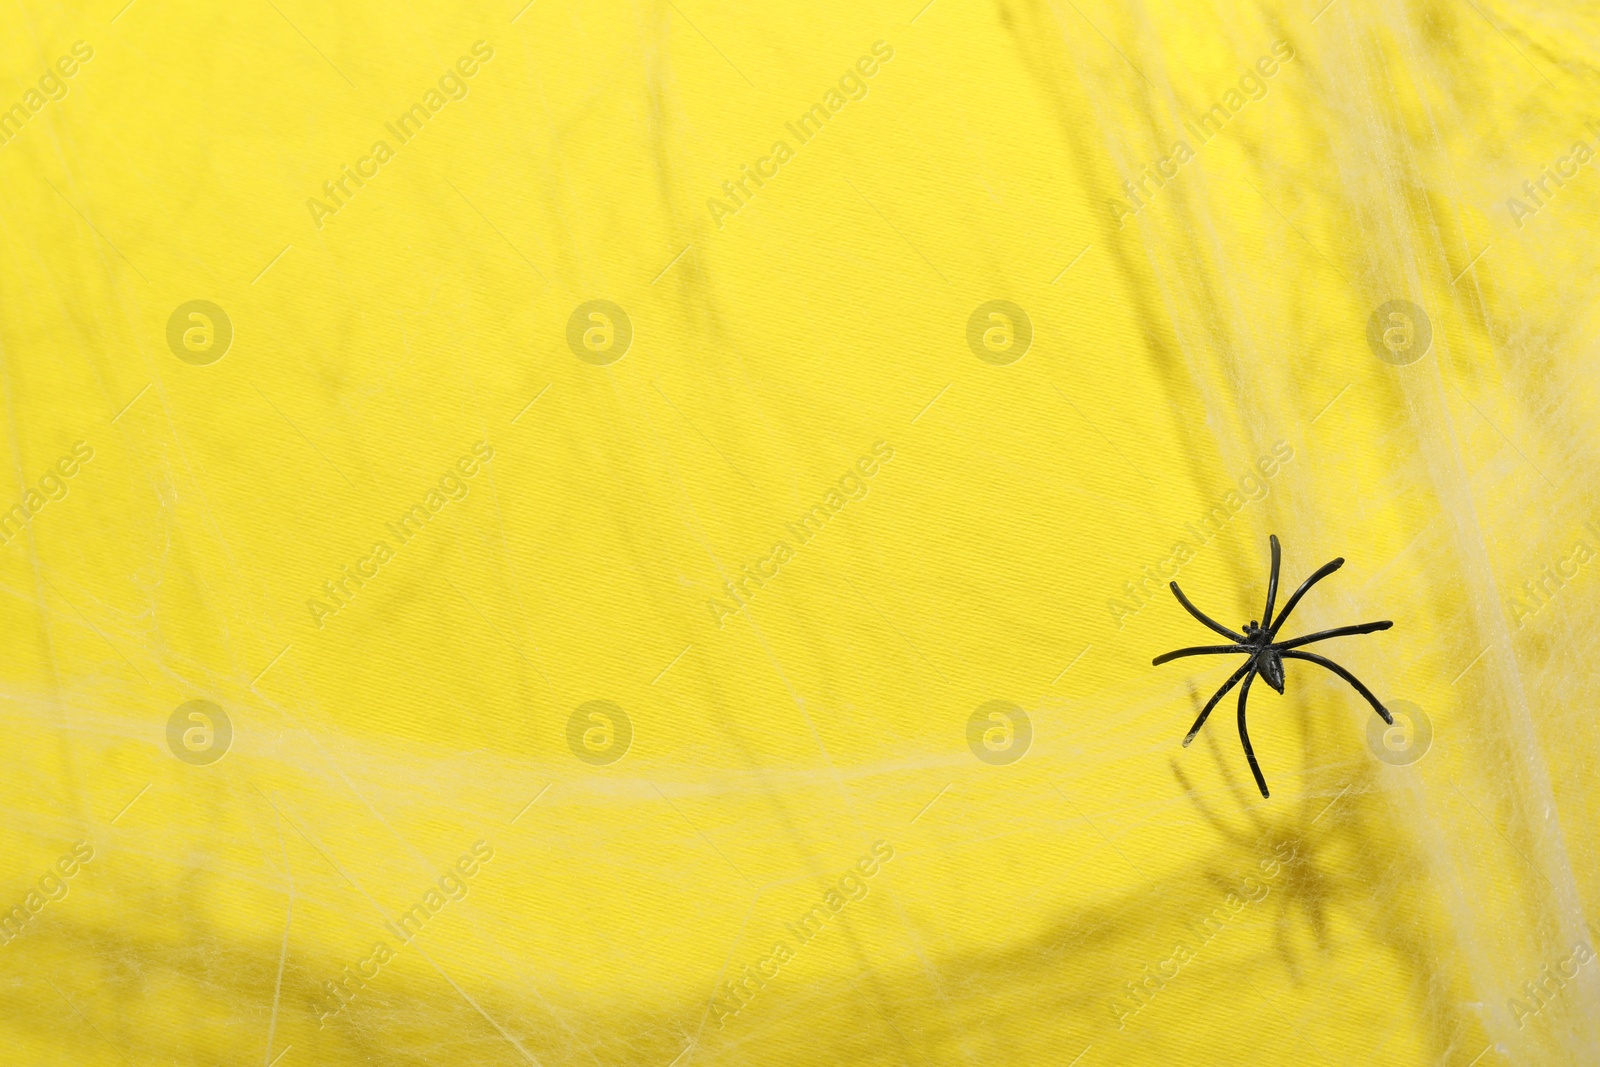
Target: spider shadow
{"points": [[1346, 861], [1307, 884]]}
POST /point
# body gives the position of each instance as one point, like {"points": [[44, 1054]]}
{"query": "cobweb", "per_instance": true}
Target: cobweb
{"points": [[1112, 898]]}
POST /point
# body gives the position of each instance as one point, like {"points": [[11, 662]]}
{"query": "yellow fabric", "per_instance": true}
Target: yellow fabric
{"points": [[635, 533]]}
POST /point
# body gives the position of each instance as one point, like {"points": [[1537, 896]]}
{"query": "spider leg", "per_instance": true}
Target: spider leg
{"points": [[1244, 735], [1347, 676], [1202, 616], [1338, 631], [1234, 788], [1197, 650], [1272, 582], [1321, 573], [1249, 665]]}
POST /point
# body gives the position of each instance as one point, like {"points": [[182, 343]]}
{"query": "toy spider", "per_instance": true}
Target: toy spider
{"points": [[1267, 655]]}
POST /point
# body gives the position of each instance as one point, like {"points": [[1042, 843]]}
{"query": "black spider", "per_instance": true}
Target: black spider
{"points": [[1267, 655]]}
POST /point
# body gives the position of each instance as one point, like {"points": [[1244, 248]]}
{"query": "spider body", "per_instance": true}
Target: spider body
{"points": [[1266, 654], [1269, 665]]}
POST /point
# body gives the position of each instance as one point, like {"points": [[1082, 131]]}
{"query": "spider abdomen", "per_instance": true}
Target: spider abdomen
{"points": [[1269, 664]]}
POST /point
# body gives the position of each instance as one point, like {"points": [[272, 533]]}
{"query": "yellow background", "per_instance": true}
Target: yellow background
{"points": [[769, 353]]}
